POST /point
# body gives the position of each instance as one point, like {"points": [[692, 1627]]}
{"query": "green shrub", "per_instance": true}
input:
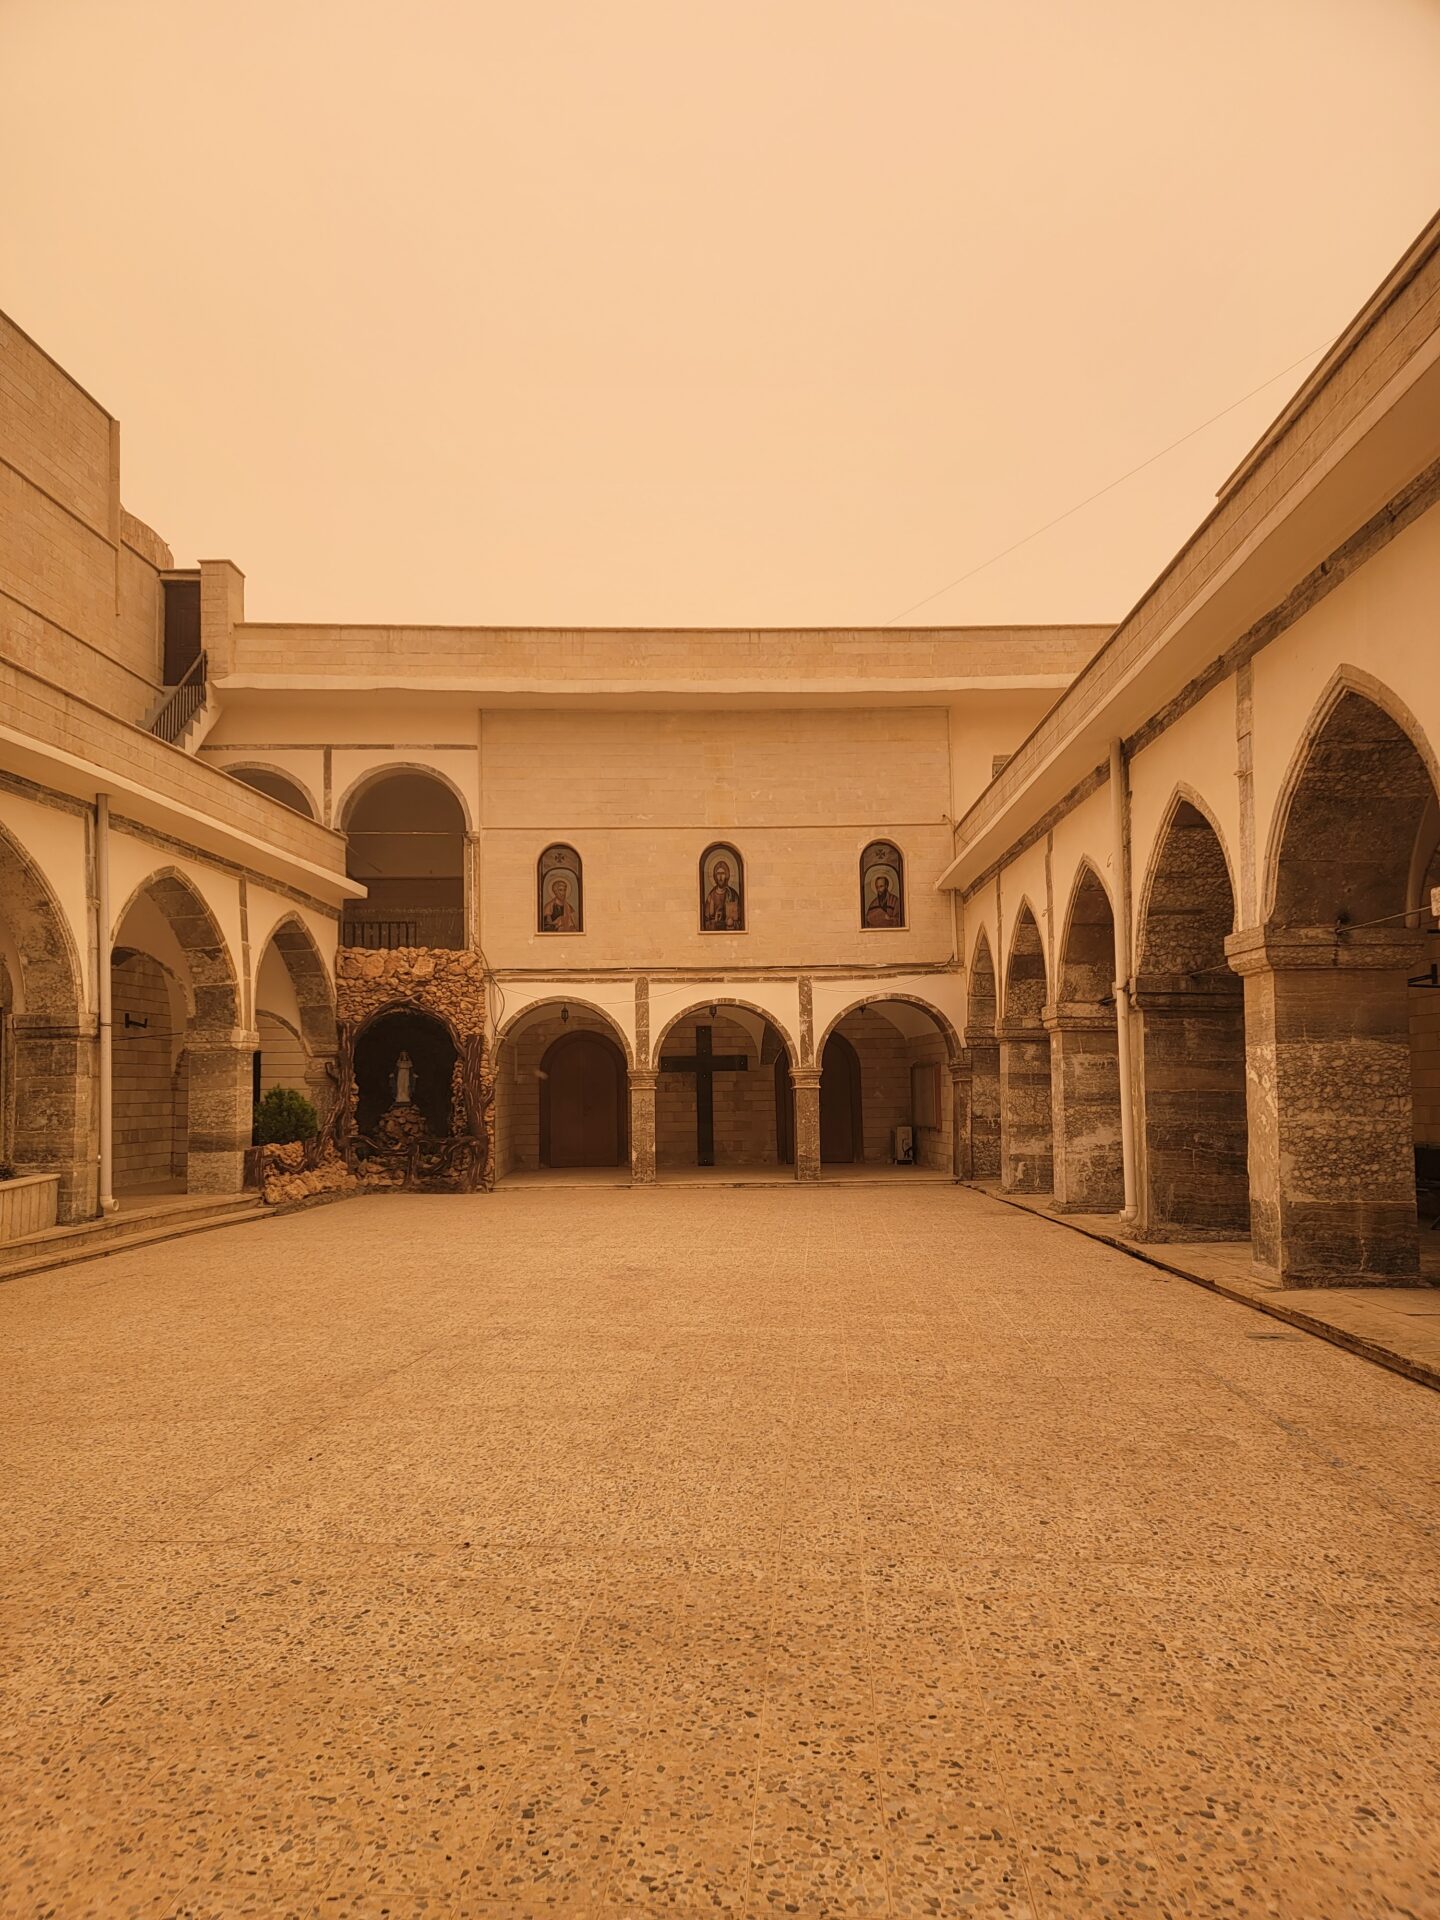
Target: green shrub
{"points": [[283, 1116]]}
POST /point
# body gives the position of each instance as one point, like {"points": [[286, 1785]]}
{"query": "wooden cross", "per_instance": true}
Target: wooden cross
{"points": [[704, 1064]]}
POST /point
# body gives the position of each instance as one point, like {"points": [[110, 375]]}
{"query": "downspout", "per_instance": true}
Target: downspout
{"points": [[102, 968], [1121, 855]]}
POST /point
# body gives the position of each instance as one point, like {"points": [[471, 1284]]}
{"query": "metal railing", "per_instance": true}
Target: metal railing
{"points": [[420, 927], [181, 704]]}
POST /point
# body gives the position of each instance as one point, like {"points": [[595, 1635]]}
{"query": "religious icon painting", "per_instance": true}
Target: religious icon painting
{"points": [[561, 891], [722, 890], [882, 885]]}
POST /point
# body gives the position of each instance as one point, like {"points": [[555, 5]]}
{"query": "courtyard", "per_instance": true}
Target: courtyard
{"points": [[851, 1551]]}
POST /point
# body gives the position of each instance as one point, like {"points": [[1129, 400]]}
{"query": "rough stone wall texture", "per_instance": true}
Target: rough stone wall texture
{"points": [[517, 1084], [985, 1109], [1331, 1147], [1026, 1115], [148, 1076], [744, 1101], [1085, 1090], [1194, 1130]]}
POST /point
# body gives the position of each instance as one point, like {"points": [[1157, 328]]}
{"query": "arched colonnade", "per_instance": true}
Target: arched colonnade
{"points": [[1283, 1079]]}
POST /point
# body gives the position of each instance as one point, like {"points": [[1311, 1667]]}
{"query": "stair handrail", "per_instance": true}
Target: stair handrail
{"points": [[181, 703]]}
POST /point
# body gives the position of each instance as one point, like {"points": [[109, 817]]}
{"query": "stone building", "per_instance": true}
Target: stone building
{"points": [[1137, 919]]}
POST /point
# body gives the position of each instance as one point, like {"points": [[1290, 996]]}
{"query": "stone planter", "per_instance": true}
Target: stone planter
{"points": [[27, 1205]]}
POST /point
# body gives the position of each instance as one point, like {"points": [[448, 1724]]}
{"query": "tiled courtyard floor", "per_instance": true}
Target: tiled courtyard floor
{"points": [[854, 1551]]}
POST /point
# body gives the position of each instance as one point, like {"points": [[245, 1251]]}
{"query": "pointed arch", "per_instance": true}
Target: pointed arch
{"points": [[1188, 900], [982, 995], [1085, 967], [1026, 971], [1343, 837], [310, 978], [51, 982], [214, 982]]}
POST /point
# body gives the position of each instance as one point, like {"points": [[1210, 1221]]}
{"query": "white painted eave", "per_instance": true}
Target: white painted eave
{"points": [[1395, 438], [69, 773]]}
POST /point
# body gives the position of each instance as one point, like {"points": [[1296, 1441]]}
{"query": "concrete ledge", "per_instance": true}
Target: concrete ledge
{"points": [[28, 1204], [1394, 1327]]}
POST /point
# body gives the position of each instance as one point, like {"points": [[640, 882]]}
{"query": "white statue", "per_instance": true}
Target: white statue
{"points": [[402, 1081]]}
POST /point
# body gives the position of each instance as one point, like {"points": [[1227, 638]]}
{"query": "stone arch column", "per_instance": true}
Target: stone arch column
{"points": [[805, 1084], [642, 1126], [52, 1053]]}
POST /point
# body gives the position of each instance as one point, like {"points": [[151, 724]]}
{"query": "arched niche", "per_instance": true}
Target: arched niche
{"points": [[275, 785], [405, 840]]}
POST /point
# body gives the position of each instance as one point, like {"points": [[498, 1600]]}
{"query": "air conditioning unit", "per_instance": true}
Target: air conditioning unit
{"points": [[904, 1147]]}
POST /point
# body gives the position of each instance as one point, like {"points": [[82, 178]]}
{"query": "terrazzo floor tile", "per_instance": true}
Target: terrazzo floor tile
{"points": [[883, 1552]]}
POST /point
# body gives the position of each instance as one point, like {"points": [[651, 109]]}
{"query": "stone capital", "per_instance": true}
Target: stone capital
{"points": [[804, 1077], [644, 1076], [1015, 1029], [1272, 949], [978, 1038], [1078, 1016]]}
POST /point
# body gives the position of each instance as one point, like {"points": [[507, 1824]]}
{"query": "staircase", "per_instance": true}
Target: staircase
{"points": [[187, 712], [168, 1218]]}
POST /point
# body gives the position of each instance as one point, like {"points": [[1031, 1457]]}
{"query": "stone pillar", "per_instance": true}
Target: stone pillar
{"points": [[1085, 1108], [220, 1082], [472, 892], [1327, 1054], [960, 1116], [1026, 1141], [55, 1120], [642, 1126], [1188, 1062], [984, 1051], [806, 1082]]}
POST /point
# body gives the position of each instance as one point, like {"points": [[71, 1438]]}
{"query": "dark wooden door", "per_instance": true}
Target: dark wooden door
{"points": [[582, 1109], [842, 1127]]}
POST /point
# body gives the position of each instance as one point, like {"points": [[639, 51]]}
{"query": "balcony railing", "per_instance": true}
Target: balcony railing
{"points": [[417, 927], [181, 705]]}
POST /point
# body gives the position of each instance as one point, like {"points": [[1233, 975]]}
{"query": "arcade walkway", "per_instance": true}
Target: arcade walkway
{"points": [[690, 1551]]}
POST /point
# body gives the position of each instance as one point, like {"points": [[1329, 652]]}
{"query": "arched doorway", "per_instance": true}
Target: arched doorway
{"points": [[1193, 1182], [1328, 1004], [842, 1104], [583, 1100], [885, 1075], [722, 1091], [1027, 1149], [431, 1049], [405, 833]]}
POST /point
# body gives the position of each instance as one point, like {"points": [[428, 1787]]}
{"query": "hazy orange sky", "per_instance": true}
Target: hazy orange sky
{"points": [[690, 311]]}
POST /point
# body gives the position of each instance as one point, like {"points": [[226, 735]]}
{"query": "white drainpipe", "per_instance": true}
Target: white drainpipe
{"points": [[1122, 975], [102, 966]]}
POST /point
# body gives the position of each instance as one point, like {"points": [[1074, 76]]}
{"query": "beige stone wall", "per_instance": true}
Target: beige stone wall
{"points": [[641, 795], [744, 1101], [149, 1104], [886, 1057], [80, 595]]}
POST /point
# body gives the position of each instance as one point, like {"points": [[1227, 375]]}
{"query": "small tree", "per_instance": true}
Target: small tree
{"points": [[283, 1116]]}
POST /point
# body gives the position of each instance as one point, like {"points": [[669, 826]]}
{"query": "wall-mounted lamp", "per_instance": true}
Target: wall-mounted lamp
{"points": [[564, 1015]]}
